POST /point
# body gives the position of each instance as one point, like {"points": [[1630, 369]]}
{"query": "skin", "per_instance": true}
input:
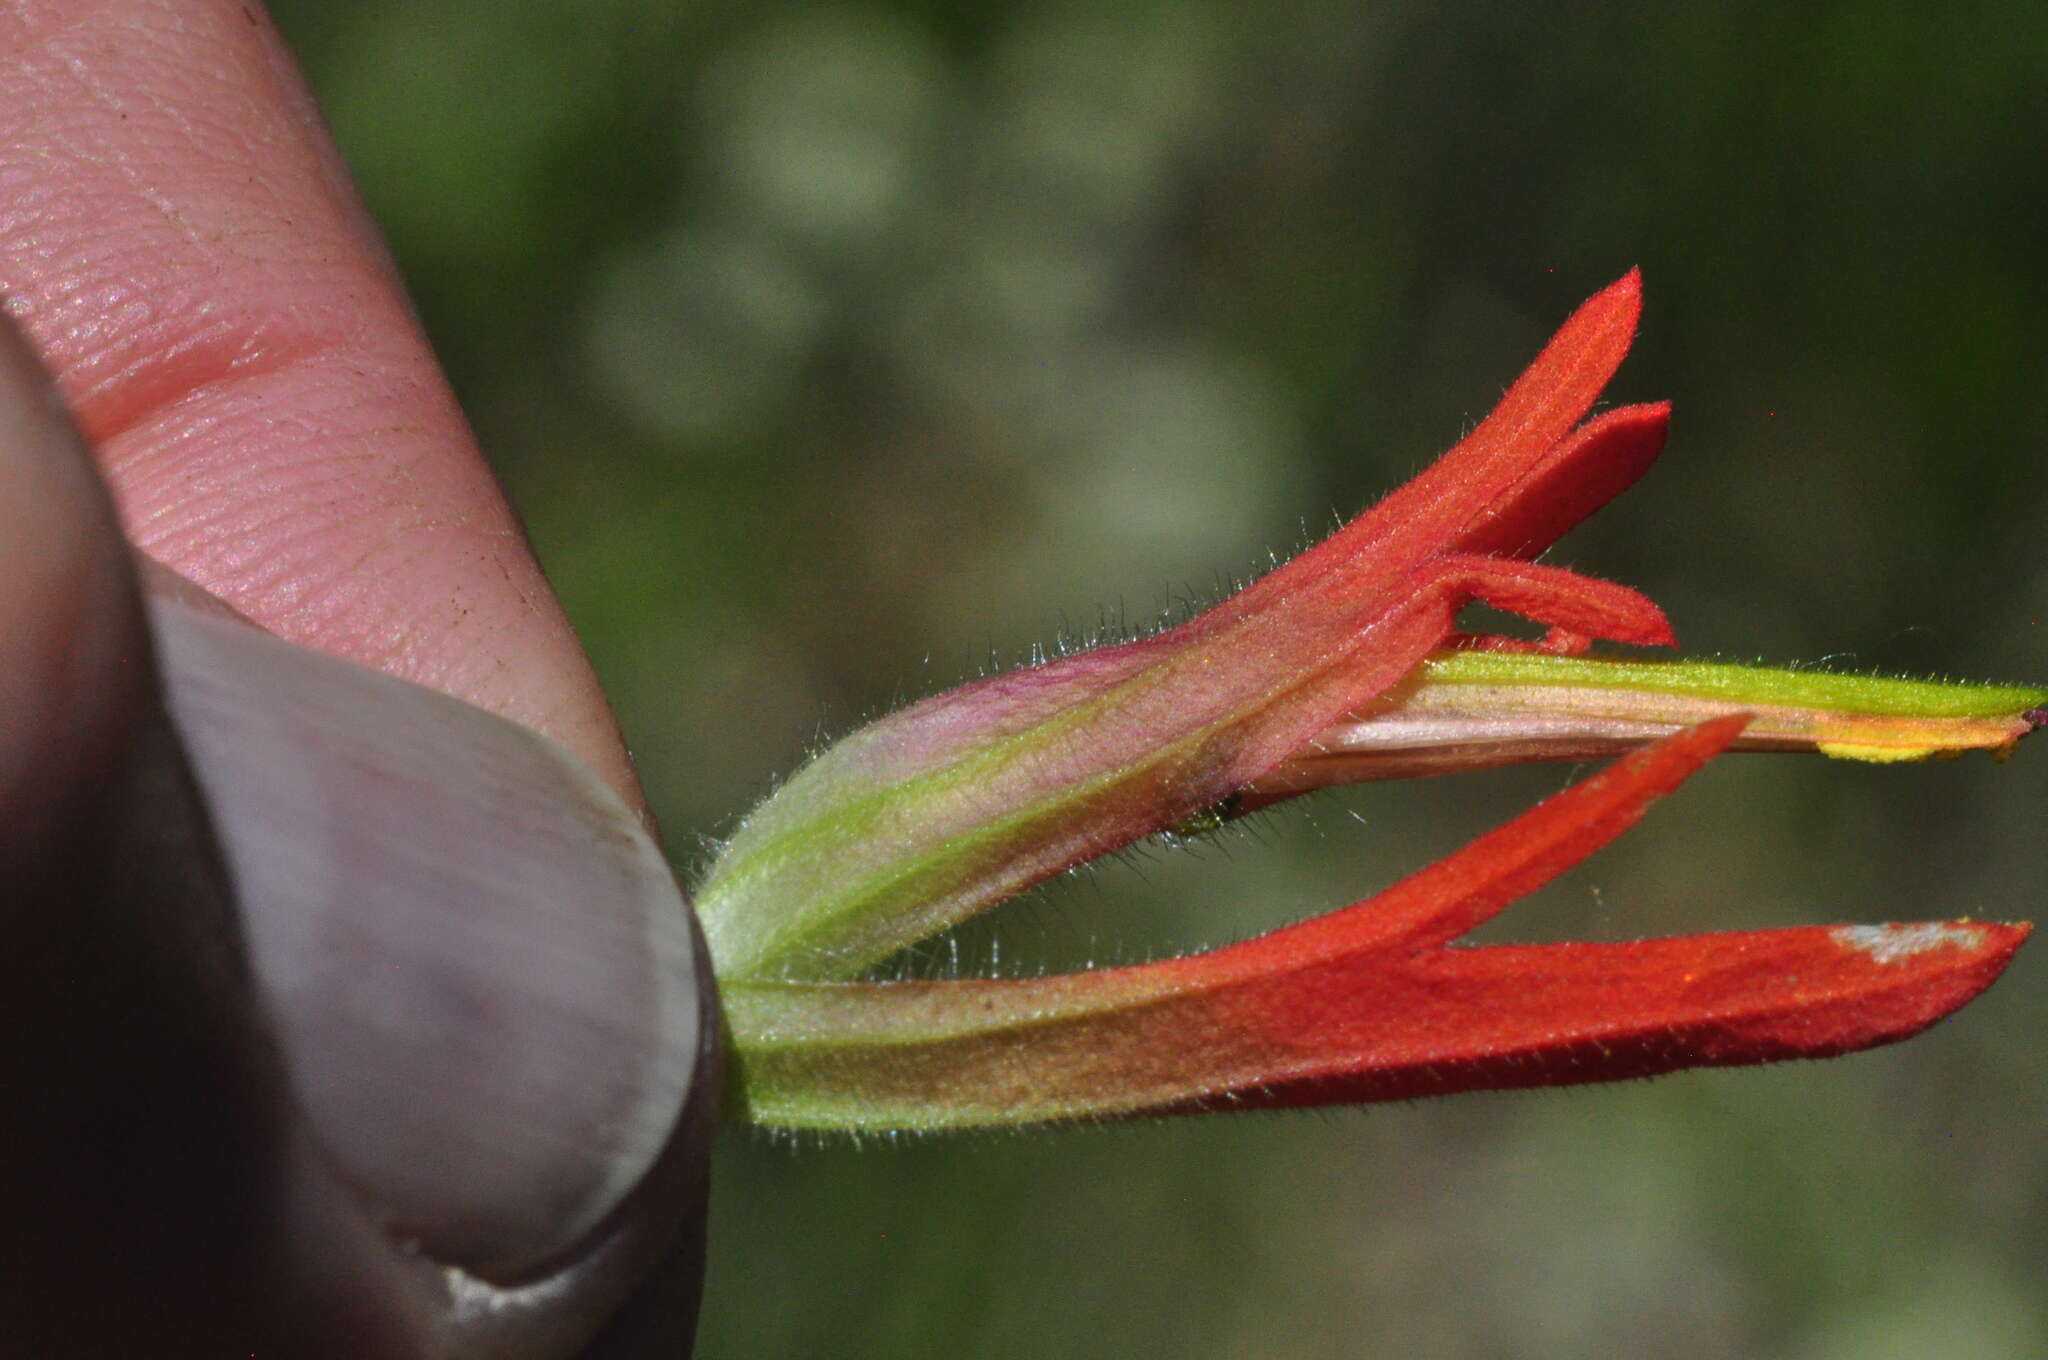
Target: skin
{"points": [[183, 255], [183, 246]]}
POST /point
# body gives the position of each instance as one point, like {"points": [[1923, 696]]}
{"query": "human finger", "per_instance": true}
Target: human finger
{"points": [[182, 244], [350, 1020]]}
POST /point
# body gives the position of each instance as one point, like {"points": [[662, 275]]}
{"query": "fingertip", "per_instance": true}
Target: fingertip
{"points": [[258, 390]]}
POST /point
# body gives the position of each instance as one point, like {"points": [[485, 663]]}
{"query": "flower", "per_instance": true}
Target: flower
{"points": [[1344, 663]]}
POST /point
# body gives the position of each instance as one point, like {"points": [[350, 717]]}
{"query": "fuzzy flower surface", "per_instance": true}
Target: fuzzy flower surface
{"points": [[1344, 664]]}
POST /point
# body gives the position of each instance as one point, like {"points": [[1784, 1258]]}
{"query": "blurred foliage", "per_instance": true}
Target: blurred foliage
{"points": [[831, 351]]}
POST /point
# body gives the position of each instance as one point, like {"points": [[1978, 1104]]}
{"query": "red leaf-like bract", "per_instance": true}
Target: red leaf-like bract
{"points": [[884, 840], [1371, 1003]]}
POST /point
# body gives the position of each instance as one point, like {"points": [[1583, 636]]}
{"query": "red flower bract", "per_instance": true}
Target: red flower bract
{"points": [[942, 810], [1370, 1003], [959, 802]]}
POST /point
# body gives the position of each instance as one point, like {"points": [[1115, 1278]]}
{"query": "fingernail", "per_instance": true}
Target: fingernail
{"points": [[480, 966]]}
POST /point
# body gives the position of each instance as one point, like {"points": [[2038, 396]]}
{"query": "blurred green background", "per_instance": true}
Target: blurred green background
{"points": [[831, 351]]}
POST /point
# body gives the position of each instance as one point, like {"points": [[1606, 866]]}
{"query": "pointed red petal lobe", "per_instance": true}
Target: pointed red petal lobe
{"points": [[1443, 501], [1584, 471], [1543, 406], [1560, 1015], [1582, 605]]}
